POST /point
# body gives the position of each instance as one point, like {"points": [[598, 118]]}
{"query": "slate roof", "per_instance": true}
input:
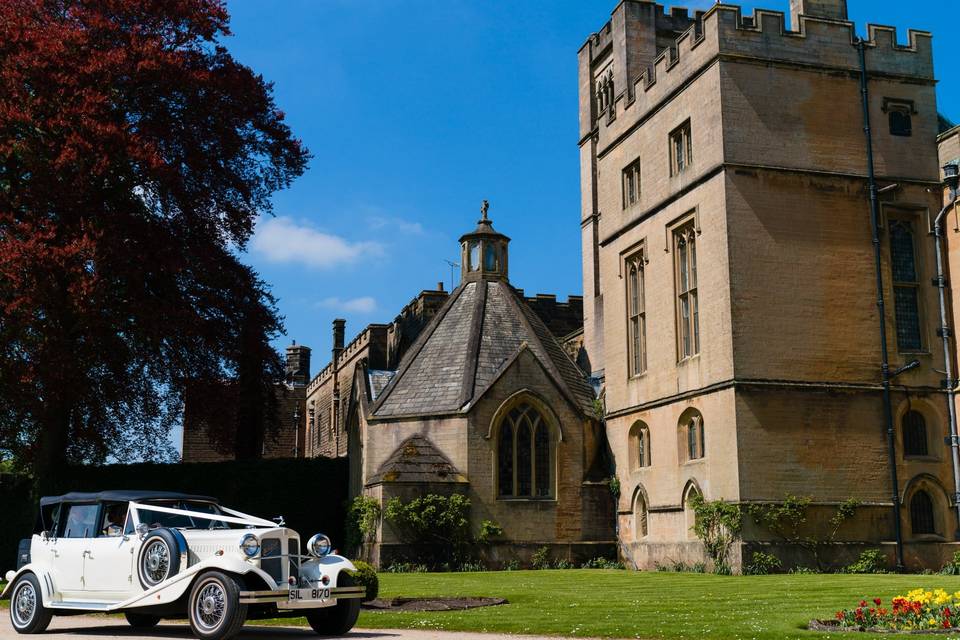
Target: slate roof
{"points": [[379, 379], [480, 329], [417, 460]]}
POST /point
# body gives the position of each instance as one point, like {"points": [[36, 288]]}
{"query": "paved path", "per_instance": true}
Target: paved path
{"points": [[103, 628]]}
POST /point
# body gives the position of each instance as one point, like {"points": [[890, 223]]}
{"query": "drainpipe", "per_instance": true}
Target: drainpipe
{"points": [[884, 354], [945, 333]]}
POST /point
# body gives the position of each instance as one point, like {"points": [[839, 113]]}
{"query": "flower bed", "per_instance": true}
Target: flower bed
{"points": [[919, 610]]}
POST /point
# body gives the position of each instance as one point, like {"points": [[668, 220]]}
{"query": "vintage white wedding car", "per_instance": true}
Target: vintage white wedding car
{"points": [[153, 555]]}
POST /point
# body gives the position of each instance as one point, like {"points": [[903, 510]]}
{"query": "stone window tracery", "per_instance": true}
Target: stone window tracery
{"points": [[688, 307], [636, 315], [524, 454], [681, 149], [906, 285]]}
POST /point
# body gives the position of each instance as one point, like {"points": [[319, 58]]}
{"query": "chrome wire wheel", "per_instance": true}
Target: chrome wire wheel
{"points": [[23, 605], [156, 561], [210, 606]]}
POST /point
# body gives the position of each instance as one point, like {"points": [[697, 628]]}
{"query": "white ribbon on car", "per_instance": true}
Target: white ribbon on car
{"points": [[236, 518]]}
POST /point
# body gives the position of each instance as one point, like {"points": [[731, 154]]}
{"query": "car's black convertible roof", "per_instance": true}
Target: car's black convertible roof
{"points": [[122, 496]]}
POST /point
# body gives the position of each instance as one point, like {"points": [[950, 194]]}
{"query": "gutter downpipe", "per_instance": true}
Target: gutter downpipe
{"points": [[945, 335], [884, 353]]}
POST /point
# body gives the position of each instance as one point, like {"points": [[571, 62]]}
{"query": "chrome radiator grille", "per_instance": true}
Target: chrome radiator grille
{"points": [[270, 558], [293, 549]]}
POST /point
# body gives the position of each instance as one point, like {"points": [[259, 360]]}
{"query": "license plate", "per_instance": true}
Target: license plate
{"points": [[296, 595]]}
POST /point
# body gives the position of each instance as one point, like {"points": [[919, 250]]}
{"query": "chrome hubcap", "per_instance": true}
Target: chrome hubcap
{"points": [[210, 606], [156, 561], [24, 604]]}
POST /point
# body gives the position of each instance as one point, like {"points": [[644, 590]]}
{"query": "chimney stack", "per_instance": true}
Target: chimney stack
{"points": [[298, 364], [833, 9], [440, 286], [338, 328]]}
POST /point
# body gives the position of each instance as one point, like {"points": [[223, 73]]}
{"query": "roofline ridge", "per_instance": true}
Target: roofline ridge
{"points": [[418, 345], [551, 368], [473, 349]]}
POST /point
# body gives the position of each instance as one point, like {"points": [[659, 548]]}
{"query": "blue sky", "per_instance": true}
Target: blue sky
{"points": [[416, 111]]}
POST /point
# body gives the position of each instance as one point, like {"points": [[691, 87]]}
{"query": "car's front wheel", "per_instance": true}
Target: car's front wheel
{"points": [[214, 606], [27, 613], [141, 620], [340, 618]]}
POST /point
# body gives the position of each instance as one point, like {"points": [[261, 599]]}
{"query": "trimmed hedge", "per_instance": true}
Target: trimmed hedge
{"points": [[310, 493]]}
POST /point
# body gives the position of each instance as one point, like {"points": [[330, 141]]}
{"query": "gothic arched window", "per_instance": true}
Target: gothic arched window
{"points": [[692, 442], [921, 513], [640, 513], [524, 454], [914, 434]]}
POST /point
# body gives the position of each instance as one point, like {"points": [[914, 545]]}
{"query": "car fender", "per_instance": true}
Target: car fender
{"points": [[46, 582], [171, 589], [330, 565]]}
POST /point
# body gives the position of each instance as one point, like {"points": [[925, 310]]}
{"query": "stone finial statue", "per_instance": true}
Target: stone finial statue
{"points": [[483, 208]]}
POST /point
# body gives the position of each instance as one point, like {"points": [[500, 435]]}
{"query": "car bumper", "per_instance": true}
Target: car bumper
{"points": [[282, 597]]}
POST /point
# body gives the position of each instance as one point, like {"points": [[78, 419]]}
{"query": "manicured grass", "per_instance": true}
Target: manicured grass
{"points": [[628, 604]]}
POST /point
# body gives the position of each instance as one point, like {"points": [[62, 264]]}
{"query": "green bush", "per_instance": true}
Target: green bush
{"points": [[762, 563], [870, 561], [366, 576], [602, 563], [541, 558], [469, 567], [717, 525], [802, 571], [407, 567], [439, 524], [952, 568], [562, 563], [488, 531], [363, 516], [512, 565]]}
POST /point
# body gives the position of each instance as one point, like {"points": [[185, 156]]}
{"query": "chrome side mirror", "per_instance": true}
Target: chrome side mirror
{"points": [[142, 530], [114, 531]]}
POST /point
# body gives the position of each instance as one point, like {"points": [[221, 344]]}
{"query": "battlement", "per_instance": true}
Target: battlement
{"points": [[372, 332], [723, 31]]}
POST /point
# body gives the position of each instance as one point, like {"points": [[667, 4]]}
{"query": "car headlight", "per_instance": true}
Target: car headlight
{"points": [[250, 545], [319, 545]]}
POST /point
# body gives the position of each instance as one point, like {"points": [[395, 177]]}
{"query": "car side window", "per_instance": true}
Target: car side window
{"points": [[114, 517], [81, 521]]}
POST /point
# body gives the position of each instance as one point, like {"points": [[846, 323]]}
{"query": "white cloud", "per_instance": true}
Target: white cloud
{"points": [[364, 304], [398, 224], [284, 240]]}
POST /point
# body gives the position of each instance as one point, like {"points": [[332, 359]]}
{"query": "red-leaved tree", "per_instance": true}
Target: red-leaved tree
{"points": [[135, 156]]}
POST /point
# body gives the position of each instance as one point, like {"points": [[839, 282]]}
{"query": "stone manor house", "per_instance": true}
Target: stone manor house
{"points": [[728, 340]]}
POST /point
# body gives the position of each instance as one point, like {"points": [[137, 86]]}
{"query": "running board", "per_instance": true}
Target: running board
{"points": [[78, 605]]}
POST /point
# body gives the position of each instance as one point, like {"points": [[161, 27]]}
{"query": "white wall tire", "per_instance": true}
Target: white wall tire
{"points": [[27, 613], [214, 607]]}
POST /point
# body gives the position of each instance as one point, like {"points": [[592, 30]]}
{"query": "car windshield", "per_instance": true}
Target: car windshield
{"points": [[157, 519]]}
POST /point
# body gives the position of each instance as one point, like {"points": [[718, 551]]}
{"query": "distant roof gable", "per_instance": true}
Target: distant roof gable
{"points": [[482, 326], [417, 460]]}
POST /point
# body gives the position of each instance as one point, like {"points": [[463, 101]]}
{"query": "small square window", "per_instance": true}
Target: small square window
{"points": [[899, 116], [631, 184], [681, 149]]}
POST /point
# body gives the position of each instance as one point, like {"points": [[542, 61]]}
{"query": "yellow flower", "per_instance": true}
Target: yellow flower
{"points": [[932, 622]]}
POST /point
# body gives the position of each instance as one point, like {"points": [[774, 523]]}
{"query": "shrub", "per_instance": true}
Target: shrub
{"points": [[563, 563], [717, 525], [541, 558], [489, 530], [802, 571], [363, 516], [952, 568], [762, 563], [442, 523], [661, 567], [512, 565], [407, 567], [366, 576], [468, 567], [870, 561], [701, 567], [602, 563]]}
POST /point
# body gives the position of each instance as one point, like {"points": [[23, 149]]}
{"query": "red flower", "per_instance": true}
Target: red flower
{"points": [[839, 615], [946, 624], [863, 603], [877, 601], [882, 611]]}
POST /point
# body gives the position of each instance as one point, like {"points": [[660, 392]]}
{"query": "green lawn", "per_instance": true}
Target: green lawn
{"points": [[628, 604]]}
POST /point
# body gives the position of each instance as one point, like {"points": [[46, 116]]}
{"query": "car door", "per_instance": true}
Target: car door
{"points": [[77, 525], [108, 565]]}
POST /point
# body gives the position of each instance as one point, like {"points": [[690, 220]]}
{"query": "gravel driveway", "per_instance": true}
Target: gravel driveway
{"points": [[101, 628]]}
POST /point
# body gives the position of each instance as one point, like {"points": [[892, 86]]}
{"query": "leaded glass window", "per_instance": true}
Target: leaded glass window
{"points": [[921, 513], [490, 261], [914, 434], [906, 285], [688, 307], [631, 184], [681, 149], [637, 316], [692, 431], [525, 455]]}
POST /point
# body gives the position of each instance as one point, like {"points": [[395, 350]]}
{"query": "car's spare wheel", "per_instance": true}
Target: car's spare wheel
{"points": [[160, 556]]}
